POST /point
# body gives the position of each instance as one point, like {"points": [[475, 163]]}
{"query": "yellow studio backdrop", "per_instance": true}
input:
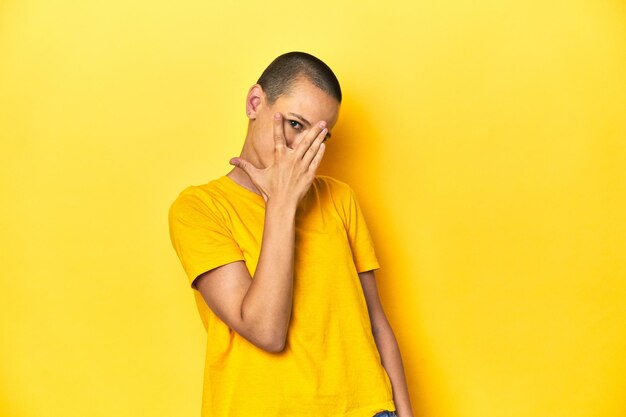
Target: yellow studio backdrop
{"points": [[485, 141]]}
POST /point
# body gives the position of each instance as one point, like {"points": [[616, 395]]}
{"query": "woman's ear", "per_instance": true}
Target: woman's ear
{"points": [[253, 101]]}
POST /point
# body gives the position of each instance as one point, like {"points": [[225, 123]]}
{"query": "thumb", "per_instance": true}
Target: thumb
{"points": [[246, 166]]}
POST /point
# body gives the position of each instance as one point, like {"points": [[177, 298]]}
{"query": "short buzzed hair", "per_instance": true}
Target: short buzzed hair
{"points": [[279, 76]]}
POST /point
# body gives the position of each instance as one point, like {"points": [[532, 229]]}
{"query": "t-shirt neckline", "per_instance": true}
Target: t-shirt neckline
{"points": [[240, 189]]}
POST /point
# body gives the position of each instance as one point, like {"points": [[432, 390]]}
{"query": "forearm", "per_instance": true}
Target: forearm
{"points": [[268, 302], [392, 362]]}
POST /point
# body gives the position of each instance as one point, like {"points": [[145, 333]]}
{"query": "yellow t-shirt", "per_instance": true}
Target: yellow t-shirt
{"points": [[330, 366]]}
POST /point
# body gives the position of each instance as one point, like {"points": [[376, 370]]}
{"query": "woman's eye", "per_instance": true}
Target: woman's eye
{"points": [[295, 125]]}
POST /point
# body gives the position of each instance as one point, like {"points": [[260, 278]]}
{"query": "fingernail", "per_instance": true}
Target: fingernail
{"points": [[322, 124], [277, 116]]}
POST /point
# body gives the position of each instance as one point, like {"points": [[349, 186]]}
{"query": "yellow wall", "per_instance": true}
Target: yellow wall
{"points": [[485, 140]]}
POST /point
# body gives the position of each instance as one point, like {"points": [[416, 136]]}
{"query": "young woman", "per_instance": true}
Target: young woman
{"points": [[283, 267]]}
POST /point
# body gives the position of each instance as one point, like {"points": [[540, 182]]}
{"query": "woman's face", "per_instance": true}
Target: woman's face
{"points": [[302, 107]]}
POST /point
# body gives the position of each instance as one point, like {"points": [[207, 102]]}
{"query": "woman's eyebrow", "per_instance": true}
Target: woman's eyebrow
{"points": [[305, 121], [302, 119]]}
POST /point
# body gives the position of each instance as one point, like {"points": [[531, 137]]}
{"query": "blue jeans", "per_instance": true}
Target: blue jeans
{"points": [[386, 413]]}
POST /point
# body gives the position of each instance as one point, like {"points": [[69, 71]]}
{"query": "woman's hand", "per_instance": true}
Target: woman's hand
{"points": [[290, 175]]}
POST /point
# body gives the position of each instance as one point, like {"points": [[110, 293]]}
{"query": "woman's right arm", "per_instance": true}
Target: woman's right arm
{"points": [[259, 309]]}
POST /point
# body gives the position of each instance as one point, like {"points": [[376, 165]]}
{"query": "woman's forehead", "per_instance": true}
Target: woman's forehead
{"points": [[309, 101]]}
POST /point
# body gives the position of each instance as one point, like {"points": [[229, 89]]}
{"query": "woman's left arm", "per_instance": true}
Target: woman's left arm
{"points": [[387, 345]]}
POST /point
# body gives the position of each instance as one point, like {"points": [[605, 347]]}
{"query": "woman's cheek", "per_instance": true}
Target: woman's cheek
{"points": [[289, 138], [297, 139]]}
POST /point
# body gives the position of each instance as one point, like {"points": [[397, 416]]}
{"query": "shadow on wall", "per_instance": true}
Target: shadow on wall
{"points": [[353, 155]]}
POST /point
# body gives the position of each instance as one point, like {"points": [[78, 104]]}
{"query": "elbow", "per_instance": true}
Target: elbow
{"points": [[265, 333], [270, 343], [273, 343], [269, 335], [274, 346]]}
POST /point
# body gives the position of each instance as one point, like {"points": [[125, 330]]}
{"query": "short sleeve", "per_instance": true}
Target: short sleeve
{"points": [[359, 236], [200, 238]]}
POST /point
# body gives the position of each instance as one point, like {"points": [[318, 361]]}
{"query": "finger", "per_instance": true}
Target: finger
{"points": [[315, 162], [279, 132], [314, 148], [246, 166], [309, 138]]}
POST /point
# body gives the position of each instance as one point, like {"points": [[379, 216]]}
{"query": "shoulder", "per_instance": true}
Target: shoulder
{"points": [[196, 198], [332, 185], [333, 193]]}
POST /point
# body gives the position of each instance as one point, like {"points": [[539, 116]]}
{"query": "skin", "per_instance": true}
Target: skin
{"points": [[283, 148]]}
